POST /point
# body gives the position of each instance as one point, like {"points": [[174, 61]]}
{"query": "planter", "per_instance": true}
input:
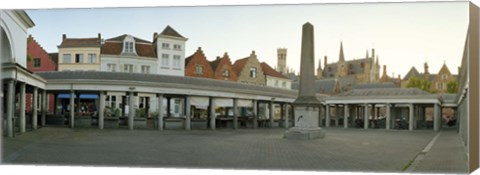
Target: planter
{"points": [[139, 123], [55, 120], [111, 122], [199, 123], [83, 121], [174, 123]]}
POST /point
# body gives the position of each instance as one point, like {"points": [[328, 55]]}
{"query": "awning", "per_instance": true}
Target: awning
{"points": [[223, 102], [82, 96], [65, 96], [244, 103], [200, 102]]}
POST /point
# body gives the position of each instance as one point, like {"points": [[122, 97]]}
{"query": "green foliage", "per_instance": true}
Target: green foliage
{"points": [[29, 58], [452, 86], [421, 84], [140, 112], [116, 111]]}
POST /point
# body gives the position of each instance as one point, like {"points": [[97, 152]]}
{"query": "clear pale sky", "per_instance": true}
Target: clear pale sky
{"points": [[403, 34]]}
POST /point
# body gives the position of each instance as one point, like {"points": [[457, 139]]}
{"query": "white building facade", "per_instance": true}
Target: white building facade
{"points": [[170, 49]]}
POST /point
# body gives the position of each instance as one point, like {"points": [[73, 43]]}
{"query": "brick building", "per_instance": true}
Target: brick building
{"points": [[38, 60], [223, 69], [197, 65], [249, 70]]}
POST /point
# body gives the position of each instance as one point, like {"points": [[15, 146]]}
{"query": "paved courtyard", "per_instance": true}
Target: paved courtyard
{"points": [[341, 150]]}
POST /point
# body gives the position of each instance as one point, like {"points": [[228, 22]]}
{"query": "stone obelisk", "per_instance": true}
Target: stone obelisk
{"points": [[306, 106]]}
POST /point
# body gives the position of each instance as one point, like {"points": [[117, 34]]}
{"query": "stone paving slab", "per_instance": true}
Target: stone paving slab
{"points": [[447, 155], [341, 149]]}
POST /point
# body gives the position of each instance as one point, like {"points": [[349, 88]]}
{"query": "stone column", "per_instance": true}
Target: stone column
{"points": [[160, 112], [22, 108], [436, 117], [255, 114], [101, 110], [131, 112], [410, 117], [44, 107], [10, 107], [285, 115], [212, 113], [337, 114], [271, 113], [72, 109], [354, 111], [388, 118], [366, 117], [34, 108], [320, 116], [235, 113], [345, 116], [327, 116], [188, 110]]}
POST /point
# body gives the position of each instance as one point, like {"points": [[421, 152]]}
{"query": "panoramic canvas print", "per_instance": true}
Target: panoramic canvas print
{"points": [[359, 87]]}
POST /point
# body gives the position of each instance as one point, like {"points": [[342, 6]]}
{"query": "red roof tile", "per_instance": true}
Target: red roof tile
{"points": [[80, 42], [267, 70], [239, 64]]}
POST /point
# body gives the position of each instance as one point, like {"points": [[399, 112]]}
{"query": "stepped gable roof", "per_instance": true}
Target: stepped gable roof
{"points": [[239, 64], [267, 70]]}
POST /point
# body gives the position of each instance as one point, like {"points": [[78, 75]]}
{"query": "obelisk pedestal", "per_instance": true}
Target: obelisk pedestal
{"points": [[306, 106]]}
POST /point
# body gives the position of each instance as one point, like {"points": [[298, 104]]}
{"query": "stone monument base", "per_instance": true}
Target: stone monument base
{"points": [[296, 133]]}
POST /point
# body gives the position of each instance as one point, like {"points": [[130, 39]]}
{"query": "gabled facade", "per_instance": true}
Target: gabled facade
{"points": [[170, 49], [365, 70], [442, 78], [126, 53], [249, 70], [197, 65], [38, 60], [223, 69], [274, 78], [79, 54]]}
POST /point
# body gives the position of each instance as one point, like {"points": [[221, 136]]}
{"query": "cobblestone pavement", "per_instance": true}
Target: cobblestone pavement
{"points": [[341, 149]]}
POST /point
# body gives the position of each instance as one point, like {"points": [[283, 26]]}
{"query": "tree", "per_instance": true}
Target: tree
{"points": [[452, 86], [420, 83]]}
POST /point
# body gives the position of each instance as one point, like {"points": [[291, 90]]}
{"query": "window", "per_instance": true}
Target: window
{"points": [[67, 58], [199, 69], [36, 62], [276, 83], [128, 47], [128, 68], [165, 45], [145, 69], [444, 76], [78, 58], [284, 84], [92, 58], [253, 72], [165, 60], [226, 73], [177, 47], [176, 61], [362, 65], [111, 67]]}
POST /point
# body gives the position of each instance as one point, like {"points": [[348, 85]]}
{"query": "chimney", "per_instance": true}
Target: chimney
{"points": [[385, 69], [155, 36], [99, 36], [64, 36], [325, 62], [218, 57], [373, 53]]}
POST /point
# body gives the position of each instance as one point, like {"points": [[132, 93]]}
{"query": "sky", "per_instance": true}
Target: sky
{"points": [[402, 34]]}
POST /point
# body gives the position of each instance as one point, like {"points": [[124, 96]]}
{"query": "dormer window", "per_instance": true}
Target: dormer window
{"points": [[199, 69], [128, 47], [226, 73]]}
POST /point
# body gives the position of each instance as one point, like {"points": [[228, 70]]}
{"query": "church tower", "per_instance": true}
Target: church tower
{"points": [[282, 60], [341, 66], [319, 69]]}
